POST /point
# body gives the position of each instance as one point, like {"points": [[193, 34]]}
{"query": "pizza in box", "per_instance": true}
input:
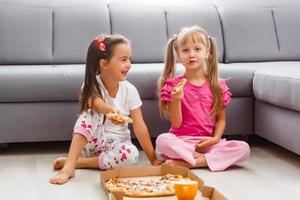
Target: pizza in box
{"points": [[150, 186]]}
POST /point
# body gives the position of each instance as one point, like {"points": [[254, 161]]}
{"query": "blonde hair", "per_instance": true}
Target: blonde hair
{"points": [[211, 69]]}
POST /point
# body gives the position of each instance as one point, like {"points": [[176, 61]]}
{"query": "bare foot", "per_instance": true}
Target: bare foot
{"points": [[197, 154], [63, 176], [59, 163], [170, 162], [200, 161], [178, 163]]}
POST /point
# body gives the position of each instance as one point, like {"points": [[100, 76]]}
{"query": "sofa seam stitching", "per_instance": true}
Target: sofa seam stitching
{"points": [[166, 20], [110, 18], [276, 33], [222, 32], [52, 34]]}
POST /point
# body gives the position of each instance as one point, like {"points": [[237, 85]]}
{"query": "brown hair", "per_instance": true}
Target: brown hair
{"points": [[211, 70], [95, 53]]}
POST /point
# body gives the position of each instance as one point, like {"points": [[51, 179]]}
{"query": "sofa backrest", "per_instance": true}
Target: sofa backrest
{"points": [[35, 35], [253, 34], [287, 21], [51, 35], [73, 30], [145, 27], [249, 34], [25, 35], [61, 35]]}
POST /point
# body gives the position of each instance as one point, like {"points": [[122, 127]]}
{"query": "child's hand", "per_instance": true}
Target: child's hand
{"points": [[114, 110], [156, 162], [206, 142], [177, 94]]}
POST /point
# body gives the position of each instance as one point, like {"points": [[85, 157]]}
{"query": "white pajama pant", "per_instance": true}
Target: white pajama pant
{"points": [[111, 152]]}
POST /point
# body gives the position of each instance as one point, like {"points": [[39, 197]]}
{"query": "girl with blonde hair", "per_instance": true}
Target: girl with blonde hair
{"points": [[196, 110]]}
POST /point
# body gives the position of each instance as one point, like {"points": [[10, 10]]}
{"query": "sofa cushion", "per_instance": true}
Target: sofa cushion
{"points": [[25, 35], [205, 16], [74, 28], [256, 3], [239, 78], [145, 77], [144, 26], [40, 83], [279, 86], [287, 20], [248, 36]]}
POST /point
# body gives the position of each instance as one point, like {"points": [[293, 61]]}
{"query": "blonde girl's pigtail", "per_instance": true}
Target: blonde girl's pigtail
{"points": [[213, 76], [168, 72]]}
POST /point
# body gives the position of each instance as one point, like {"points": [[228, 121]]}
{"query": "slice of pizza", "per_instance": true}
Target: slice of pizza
{"points": [[114, 185], [151, 191], [119, 117], [180, 84]]}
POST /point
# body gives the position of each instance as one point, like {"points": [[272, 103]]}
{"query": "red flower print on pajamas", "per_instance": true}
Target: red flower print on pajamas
{"points": [[120, 154]]}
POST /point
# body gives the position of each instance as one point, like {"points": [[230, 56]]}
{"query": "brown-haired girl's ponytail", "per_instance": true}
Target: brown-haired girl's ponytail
{"points": [[213, 76], [168, 72]]}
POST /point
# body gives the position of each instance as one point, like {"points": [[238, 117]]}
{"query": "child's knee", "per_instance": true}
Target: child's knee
{"points": [[128, 154], [133, 156], [162, 141], [245, 150]]}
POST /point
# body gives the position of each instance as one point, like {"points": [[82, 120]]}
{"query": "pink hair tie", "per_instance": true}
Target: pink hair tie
{"points": [[174, 38], [100, 43]]}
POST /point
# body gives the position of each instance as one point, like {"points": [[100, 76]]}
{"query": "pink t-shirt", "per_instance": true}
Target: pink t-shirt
{"points": [[196, 105]]}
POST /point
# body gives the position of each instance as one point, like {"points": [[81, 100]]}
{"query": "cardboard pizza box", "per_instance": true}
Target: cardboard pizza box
{"points": [[204, 192]]}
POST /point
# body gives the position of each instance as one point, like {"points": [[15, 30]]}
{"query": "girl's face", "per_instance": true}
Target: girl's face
{"points": [[118, 66], [193, 54]]}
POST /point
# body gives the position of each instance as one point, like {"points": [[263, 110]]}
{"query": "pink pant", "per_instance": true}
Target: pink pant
{"points": [[218, 157]]}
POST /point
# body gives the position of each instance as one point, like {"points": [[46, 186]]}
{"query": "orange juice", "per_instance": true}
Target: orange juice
{"points": [[186, 190]]}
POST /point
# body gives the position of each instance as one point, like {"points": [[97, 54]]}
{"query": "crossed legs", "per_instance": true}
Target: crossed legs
{"points": [[179, 151]]}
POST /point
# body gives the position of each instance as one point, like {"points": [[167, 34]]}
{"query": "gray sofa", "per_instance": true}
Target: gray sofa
{"points": [[43, 48]]}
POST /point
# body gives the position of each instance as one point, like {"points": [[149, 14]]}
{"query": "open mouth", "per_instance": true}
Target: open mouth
{"points": [[124, 73], [191, 61]]}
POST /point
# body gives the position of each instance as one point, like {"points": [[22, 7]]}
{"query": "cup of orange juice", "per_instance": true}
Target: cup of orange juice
{"points": [[186, 189]]}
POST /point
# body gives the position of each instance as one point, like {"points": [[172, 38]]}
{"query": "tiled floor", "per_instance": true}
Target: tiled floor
{"points": [[271, 173]]}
